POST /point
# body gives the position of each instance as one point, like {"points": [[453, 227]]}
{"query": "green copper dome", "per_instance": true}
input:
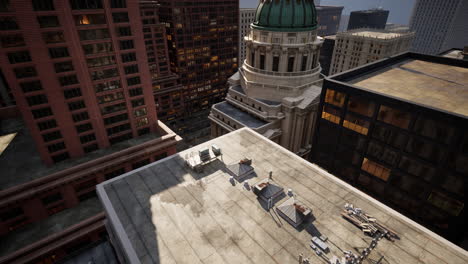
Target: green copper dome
{"points": [[286, 15]]}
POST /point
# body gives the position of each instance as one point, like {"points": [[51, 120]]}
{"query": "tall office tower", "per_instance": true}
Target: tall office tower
{"points": [[246, 17], [328, 19], [276, 90], [166, 84], [203, 39], [373, 18], [78, 73], [358, 47], [397, 129], [440, 25], [326, 53]]}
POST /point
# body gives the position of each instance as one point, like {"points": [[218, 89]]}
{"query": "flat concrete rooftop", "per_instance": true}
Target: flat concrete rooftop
{"points": [[166, 213], [58, 222], [20, 161], [239, 115], [376, 34], [433, 85]]}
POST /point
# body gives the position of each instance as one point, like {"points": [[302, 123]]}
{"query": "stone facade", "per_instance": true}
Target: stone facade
{"points": [[276, 91], [361, 46]]}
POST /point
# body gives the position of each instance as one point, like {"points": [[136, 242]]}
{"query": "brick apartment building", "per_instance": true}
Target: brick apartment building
{"points": [[84, 86]]}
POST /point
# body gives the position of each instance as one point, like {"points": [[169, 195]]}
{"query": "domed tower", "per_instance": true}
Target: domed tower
{"points": [[279, 82]]}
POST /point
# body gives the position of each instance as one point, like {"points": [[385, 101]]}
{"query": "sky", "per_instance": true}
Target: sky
{"points": [[400, 10]]}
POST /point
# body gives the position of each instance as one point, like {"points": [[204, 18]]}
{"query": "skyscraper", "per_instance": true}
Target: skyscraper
{"points": [[440, 25], [373, 18], [328, 19], [79, 76], [246, 17], [203, 47]]}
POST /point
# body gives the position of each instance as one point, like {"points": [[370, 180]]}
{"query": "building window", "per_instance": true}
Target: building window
{"points": [[107, 86], [84, 127], [442, 201], [4, 5], [86, 4], [275, 67], [124, 31], [52, 199], [80, 117], [138, 102], [59, 52], [133, 81], [52, 136], [101, 61], [118, 129], [43, 5], [72, 106], [389, 136], [43, 112], [128, 57], [53, 37], [25, 72], [113, 108], [63, 66], [56, 147], [335, 98], [72, 93], [291, 64], [437, 130], [115, 119], [45, 125], [94, 34], [140, 112], [68, 80], [97, 48], [331, 114], [104, 74], [131, 69], [143, 131], [48, 21], [394, 117], [110, 97], [252, 59], [31, 86], [375, 169], [120, 17], [262, 61], [356, 124], [304, 63], [382, 153], [126, 44], [361, 106], [142, 122], [135, 92], [19, 57], [425, 149], [118, 4], [87, 138], [37, 99], [90, 19], [10, 41], [8, 23]]}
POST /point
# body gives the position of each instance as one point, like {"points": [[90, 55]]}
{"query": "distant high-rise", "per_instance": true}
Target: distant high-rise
{"points": [[328, 19], [440, 25], [373, 18], [203, 38], [326, 53], [246, 17], [358, 47]]}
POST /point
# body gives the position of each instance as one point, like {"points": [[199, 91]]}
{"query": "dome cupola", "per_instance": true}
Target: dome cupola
{"points": [[286, 15]]}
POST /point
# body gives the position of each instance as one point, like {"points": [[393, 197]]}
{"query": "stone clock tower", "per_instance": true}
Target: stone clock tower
{"points": [[276, 91]]}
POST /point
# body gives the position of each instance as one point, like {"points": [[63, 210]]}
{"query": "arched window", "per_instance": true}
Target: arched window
{"points": [[291, 64], [275, 66]]}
